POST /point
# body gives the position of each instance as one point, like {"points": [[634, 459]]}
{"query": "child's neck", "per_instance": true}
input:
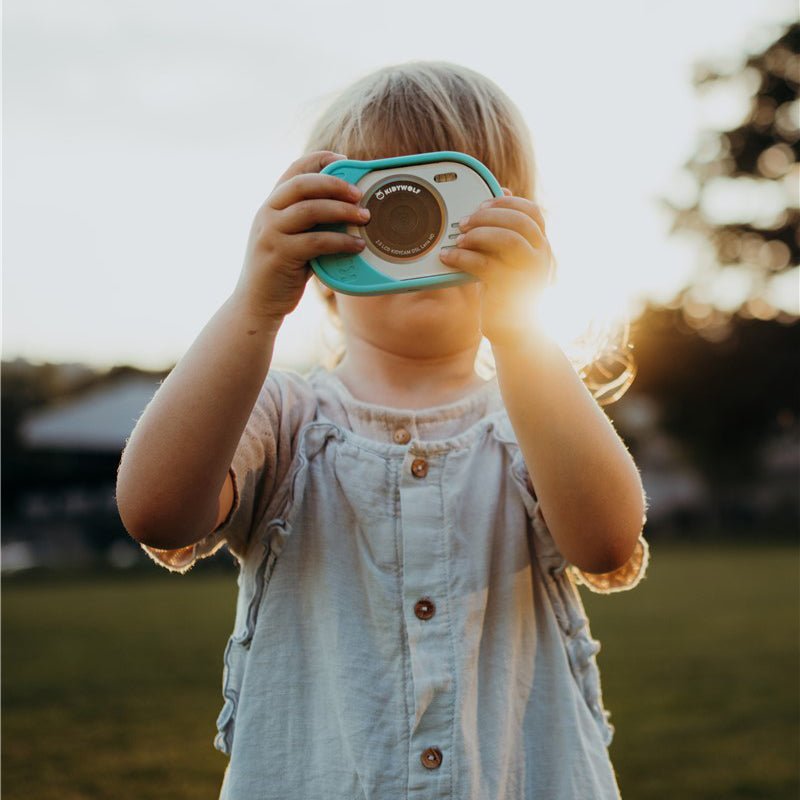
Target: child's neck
{"points": [[396, 380]]}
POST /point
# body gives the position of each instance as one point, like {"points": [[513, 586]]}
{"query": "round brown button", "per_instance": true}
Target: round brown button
{"points": [[402, 436], [419, 468], [431, 758], [425, 608]]}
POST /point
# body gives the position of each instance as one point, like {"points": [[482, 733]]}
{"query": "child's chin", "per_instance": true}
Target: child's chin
{"points": [[441, 293]]}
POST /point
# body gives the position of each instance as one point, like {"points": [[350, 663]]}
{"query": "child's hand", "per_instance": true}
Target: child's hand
{"points": [[276, 267], [503, 244]]}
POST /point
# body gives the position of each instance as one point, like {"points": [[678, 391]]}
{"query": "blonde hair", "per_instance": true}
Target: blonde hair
{"points": [[424, 106], [420, 107]]}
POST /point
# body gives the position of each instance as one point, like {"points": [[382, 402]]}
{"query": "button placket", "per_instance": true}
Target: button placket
{"points": [[424, 533]]}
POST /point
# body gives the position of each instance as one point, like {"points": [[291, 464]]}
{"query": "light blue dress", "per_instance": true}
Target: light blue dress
{"points": [[405, 625]]}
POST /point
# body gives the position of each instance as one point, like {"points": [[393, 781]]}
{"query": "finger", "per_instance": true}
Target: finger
{"points": [[310, 162], [505, 218], [305, 246], [507, 192], [309, 186], [507, 246], [520, 204], [305, 214], [477, 264]]}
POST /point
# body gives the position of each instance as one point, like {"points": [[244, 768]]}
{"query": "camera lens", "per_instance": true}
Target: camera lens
{"points": [[405, 218]]}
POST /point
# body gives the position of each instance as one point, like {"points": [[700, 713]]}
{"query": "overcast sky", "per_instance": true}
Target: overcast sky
{"points": [[139, 139]]}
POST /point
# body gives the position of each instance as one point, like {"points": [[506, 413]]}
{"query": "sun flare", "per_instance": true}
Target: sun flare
{"points": [[594, 335]]}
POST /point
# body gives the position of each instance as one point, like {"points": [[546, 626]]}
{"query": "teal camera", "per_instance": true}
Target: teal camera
{"points": [[415, 203]]}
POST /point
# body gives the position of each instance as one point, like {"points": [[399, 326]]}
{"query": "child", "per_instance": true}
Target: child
{"points": [[408, 534]]}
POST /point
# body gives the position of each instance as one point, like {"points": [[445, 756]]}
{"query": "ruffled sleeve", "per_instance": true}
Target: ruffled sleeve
{"points": [[621, 579], [629, 575], [260, 470]]}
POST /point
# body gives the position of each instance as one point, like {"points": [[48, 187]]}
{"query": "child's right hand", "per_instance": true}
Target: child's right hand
{"points": [[281, 243]]}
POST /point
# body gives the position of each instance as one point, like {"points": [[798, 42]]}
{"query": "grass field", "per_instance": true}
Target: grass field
{"points": [[111, 683]]}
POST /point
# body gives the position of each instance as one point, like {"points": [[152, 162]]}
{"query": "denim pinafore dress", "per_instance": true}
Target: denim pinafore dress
{"points": [[405, 625]]}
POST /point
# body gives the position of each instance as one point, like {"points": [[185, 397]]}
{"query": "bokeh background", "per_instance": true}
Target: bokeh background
{"points": [[139, 139]]}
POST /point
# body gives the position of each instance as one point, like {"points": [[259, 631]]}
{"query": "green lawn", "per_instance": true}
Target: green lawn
{"points": [[111, 684]]}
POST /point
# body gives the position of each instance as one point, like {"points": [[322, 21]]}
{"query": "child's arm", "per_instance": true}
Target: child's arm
{"points": [[588, 487], [174, 471], [173, 483], [586, 481]]}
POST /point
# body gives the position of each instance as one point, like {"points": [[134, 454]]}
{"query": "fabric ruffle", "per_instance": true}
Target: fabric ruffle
{"points": [[254, 576], [619, 580], [625, 577], [253, 580], [573, 624], [560, 578], [182, 559]]}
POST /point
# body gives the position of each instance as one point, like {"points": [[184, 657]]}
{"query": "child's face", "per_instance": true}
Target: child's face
{"points": [[429, 323]]}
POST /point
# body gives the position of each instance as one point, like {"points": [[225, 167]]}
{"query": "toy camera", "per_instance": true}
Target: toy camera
{"points": [[415, 203]]}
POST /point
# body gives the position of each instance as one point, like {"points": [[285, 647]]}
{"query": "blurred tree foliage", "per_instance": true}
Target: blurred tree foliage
{"points": [[732, 404], [747, 180], [721, 399]]}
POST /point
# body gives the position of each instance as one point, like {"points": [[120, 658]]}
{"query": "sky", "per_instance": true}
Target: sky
{"points": [[140, 138]]}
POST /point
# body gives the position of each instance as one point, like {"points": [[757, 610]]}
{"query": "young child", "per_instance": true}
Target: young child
{"points": [[409, 535]]}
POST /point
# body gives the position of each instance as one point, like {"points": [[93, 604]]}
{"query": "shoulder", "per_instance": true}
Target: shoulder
{"points": [[286, 392], [283, 381]]}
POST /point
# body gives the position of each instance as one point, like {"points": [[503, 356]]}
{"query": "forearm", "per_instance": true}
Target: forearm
{"points": [[178, 455], [589, 489]]}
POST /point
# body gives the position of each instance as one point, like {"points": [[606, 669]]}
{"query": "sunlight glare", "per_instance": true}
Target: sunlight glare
{"points": [[594, 334]]}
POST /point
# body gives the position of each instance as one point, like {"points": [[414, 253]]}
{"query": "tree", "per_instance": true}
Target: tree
{"points": [[746, 191], [732, 405], [721, 399]]}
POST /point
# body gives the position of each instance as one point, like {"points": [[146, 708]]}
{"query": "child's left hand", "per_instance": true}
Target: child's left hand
{"points": [[503, 244]]}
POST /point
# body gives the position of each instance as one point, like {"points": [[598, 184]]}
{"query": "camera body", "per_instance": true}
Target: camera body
{"points": [[415, 204]]}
